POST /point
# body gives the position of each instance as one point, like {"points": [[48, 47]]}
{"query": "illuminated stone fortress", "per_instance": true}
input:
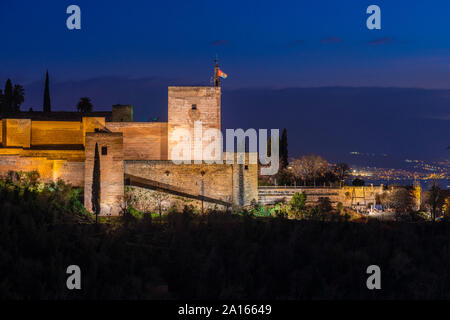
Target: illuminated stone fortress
{"points": [[61, 145]]}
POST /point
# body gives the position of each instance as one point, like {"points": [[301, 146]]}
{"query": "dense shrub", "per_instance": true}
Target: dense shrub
{"points": [[44, 229]]}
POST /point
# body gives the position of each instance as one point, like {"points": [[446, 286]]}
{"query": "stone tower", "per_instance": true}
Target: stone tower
{"points": [[188, 105]]}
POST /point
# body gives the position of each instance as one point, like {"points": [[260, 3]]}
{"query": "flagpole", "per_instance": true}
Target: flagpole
{"points": [[216, 73]]}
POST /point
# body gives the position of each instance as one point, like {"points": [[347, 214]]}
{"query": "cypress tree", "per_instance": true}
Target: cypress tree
{"points": [[47, 107], [96, 184], [284, 150], [8, 97]]}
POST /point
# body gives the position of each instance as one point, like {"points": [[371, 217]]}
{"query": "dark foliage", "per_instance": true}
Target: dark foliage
{"points": [[341, 171], [84, 105], [358, 182], [8, 96], [215, 256], [12, 98]]}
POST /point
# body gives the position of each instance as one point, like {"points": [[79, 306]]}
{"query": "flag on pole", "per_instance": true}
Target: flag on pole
{"points": [[221, 74]]}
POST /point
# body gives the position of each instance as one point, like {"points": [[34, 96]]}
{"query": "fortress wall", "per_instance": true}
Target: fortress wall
{"points": [[56, 132], [111, 171], [146, 200], [91, 124], [142, 140], [1, 132], [25, 133], [245, 183], [69, 171], [69, 155], [49, 170], [235, 183], [362, 195], [17, 163], [347, 195], [182, 115], [245, 179], [216, 182], [17, 132], [273, 194]]}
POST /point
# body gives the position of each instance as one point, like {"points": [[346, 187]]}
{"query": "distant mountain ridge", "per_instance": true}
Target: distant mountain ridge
{"points": [[331, 121]]}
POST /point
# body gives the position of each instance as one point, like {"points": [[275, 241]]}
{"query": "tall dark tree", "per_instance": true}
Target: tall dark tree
{"points": [[84, 105], [96, 184], [284, 155], [47, 105], [434, 199], [8, 97], [18, 97], [342, 170]]}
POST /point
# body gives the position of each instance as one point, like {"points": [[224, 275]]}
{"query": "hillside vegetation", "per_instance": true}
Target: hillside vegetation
{"points": [[44, 229]]}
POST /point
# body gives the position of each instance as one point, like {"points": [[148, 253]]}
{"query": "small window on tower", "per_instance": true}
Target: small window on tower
{"points": [[104, 151], [246, 167], [194, 107]]}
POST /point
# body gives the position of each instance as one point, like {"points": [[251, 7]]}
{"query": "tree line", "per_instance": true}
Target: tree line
{"points": [[308, 170], [13, 96], [45, 228]]}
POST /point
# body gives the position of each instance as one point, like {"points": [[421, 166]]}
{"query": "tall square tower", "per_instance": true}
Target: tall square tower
{"points": [[186, 107]]}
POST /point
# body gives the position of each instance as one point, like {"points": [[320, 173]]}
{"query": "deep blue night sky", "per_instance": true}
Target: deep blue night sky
{"points": [[276, 54]]}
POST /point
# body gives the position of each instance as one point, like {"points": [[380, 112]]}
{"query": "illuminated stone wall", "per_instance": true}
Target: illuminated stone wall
{"points": [[26, 133], [91, 124], [56, 132], [49, 170], [142, 140], [111, 171], [53, 148], [235, 183], [217, 179], [349, 195], [65, 150], [245, 179], [187, 105], [146, 200], [17, 133]]}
